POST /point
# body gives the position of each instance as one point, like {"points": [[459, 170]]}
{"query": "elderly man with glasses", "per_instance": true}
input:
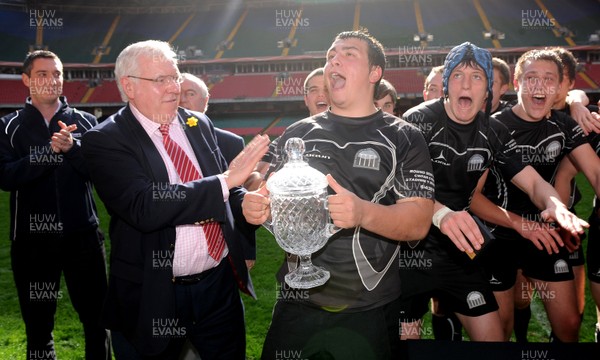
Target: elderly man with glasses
{"points": [[176, 261]]}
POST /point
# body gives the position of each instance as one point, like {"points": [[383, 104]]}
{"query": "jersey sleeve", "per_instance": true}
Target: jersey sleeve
{"points": [[574, 135], [414, 175], [507, 157]]}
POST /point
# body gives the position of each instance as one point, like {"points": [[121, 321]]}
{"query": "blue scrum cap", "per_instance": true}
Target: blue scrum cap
{"points": [[464, 53]]}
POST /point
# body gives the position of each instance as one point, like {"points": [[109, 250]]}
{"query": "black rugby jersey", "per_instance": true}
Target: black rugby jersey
{"points": [[542, 145], [593, 138], [461, 153], [380, 158]]}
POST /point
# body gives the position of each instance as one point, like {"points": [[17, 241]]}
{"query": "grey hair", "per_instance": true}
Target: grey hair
{"points": [[127, 61], [193, 78]]}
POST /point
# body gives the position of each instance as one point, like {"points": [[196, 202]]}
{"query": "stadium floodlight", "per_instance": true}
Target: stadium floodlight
{"points": [[215, 78], [192, 52], [563, 31], [594, 38], [101, 50], [92, 83], [493, 34], [285, 43], [427, 37], [224, 45], [282, 76]]}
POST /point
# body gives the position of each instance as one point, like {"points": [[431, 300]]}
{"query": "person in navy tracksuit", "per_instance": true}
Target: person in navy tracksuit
{"points": [[54, 224]]}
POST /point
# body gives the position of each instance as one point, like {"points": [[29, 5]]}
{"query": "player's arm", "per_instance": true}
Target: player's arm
{"points": [[577, 96], [545, 197], [407, 219], [543, 237], [459, 226], [562, 183], [562, 180], [578, 101], [585, 159]]}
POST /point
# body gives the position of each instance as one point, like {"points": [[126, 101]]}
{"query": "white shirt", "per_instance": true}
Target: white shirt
{"points": [[191, 250]]}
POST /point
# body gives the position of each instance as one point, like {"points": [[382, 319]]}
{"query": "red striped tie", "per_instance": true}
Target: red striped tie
{"points": [[187, 172]]}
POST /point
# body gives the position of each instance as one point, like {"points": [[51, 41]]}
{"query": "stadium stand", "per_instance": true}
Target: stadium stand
{"points": [[105, 93], [257, 35], [244, 87], [77, 40], [451, 25], [207, 30], [242, 53], [255, 54], [322, 26], [395, 23]]}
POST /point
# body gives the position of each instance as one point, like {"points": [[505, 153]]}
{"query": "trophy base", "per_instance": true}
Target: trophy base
{"points": [[307, 277]]}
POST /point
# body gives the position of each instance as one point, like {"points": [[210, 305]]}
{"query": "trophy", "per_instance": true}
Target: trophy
{"points": [[300, 218]]}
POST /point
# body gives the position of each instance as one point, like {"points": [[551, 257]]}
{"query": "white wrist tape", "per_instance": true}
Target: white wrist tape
{"points": [[439, 215]]}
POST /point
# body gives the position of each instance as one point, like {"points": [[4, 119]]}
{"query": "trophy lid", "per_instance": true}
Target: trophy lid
{"points": [[296, 177]]}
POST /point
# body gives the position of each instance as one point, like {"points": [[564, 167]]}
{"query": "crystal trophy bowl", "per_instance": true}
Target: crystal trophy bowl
{"points": [[300, 219]]}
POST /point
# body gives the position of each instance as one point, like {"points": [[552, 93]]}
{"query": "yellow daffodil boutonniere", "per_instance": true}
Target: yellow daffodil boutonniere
{"points": [[192, 121]]}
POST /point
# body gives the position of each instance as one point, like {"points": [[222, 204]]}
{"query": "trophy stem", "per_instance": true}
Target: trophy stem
{"points": [[307, 275]]}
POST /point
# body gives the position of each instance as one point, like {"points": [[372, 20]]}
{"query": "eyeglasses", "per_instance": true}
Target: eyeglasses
{"points": [[163, 80]]}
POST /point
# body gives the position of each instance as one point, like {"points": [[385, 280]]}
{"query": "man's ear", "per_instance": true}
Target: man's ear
{"points": [[516, 84], [503, 89], [26, 79], [127, 85], [376, 74]]}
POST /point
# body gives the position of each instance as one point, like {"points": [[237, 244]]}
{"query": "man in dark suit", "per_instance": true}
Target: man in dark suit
{"points": [[175, 258]]}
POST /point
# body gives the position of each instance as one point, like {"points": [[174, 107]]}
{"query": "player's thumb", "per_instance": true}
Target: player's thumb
{"points": [[262, 189], [337, 188]]}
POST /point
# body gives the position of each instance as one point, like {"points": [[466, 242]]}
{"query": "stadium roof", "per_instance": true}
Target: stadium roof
{"points": [[157, 6]]}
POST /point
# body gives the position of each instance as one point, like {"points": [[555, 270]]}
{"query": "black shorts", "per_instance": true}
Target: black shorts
{"points": [[593, 248], [577, 257], [301, 331], [460, 285], [510, 252]]}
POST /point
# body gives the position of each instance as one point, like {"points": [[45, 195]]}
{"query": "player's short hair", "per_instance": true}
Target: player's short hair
{"points": [[434, 71], [37, 54], [503, 69], [384, 89], [568, 60], [536, 55], [315, 72]]}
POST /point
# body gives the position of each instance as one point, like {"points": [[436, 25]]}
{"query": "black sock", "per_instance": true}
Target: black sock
{"points": [[522, 317], [446, 327]]}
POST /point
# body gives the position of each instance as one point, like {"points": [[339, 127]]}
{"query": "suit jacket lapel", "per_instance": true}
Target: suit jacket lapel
{"points": [[204, 148], [147, 150]]}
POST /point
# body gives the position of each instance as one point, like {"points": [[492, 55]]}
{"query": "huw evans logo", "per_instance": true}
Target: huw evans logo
{"points": [[290, 18], [537, 20], [45, 18]]}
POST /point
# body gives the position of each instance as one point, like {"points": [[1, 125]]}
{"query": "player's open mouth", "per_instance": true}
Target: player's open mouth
{"points": [[538, 99], [321, 105], [337, 81], [465, 102]]}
